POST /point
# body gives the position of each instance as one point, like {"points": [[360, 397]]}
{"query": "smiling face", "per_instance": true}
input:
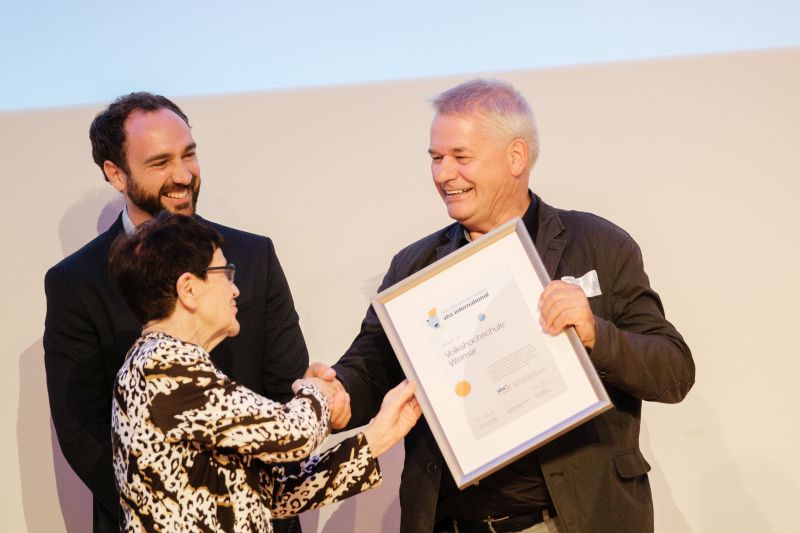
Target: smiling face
{"points": [[216, 306], [162, 160], [481, 178]]}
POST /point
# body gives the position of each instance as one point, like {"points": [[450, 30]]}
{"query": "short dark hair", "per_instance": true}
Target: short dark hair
{"points": [[146, 265], [107, 131]]}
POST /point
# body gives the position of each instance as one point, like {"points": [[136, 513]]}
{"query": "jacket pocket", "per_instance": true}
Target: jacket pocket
{"points": [[631, 464]]}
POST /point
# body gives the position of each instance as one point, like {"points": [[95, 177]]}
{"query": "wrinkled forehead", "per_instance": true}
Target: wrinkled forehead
{"points": [[456, 129]]}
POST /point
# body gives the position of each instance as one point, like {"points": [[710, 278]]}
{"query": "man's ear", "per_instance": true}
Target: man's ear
{"points": [[115, 175], [187, 288], [518, 155]]}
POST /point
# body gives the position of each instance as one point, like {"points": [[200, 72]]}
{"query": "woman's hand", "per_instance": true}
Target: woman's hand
{"points": [[332, 390], [399, 412]]}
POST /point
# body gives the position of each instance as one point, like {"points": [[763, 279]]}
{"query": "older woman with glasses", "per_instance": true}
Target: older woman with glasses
{"points": [[195, 451]]}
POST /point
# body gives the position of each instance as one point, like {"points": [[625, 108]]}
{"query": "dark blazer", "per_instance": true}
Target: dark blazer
{"points": [[89, 329], [596, 474]]}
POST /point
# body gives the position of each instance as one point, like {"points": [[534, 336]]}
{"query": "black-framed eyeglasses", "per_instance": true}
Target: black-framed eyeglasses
{"points": [[229, 269]]}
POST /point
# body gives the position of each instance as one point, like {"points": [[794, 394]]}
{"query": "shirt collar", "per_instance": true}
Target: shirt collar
{"points": [[129, 226]]}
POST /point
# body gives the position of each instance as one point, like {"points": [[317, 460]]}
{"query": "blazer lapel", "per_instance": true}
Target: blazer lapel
{"points": [[549, 247], [453, 238]]}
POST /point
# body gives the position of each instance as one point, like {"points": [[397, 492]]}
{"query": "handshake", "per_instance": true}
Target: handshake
{"points": [[398, 413]]}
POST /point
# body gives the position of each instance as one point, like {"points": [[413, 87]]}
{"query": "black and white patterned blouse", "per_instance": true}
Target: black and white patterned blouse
{"points": [[195, 451]]}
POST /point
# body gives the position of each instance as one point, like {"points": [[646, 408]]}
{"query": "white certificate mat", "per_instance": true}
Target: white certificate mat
{"points": [[491, 383]]}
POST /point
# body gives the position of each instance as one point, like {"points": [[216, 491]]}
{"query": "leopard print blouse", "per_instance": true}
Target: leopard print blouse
{"points": [[195, 451]]}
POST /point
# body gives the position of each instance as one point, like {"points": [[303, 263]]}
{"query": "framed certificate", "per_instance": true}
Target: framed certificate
{"points": [[492, 385]]}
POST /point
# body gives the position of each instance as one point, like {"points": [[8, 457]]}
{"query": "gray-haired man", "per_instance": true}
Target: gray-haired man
{"points": [[483, 145]]}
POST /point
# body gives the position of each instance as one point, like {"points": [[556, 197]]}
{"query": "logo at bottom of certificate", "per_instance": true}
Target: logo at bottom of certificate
{"points": [[463, 388]]}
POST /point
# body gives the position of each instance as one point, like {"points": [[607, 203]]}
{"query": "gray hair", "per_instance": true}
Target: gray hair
{"points": [[500, 104]]}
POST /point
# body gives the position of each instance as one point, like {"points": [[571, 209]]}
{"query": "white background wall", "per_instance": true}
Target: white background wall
{"points": [[695, 156], [64, 53]]}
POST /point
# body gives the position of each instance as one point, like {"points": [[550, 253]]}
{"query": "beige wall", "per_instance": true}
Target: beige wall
{"points": [[696, 157]]}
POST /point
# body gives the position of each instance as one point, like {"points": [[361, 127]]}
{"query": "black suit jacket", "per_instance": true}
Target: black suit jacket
{"points": [[596, 474], [89, 329]]}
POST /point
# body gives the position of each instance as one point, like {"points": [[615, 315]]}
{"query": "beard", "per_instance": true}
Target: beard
{"points": [[151, 203]]}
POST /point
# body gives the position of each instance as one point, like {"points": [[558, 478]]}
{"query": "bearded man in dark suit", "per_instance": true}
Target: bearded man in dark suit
{"points": [[593, 479], [144, 146]]}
